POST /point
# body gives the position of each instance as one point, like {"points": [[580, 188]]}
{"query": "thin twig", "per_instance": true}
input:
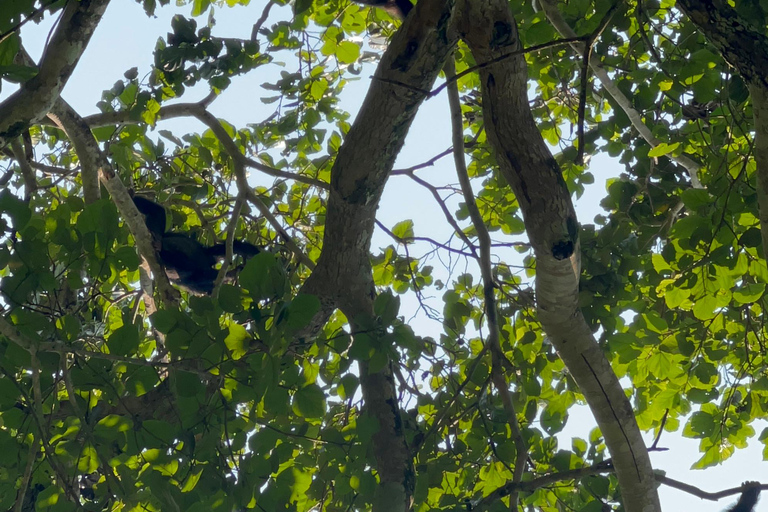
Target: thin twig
{"points": [[586, 57], [536, 48]]}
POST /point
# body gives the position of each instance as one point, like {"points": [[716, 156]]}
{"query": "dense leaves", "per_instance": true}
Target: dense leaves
{"points": [[223, 403]]}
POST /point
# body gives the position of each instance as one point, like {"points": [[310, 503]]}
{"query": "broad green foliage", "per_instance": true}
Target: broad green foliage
{"points": [[223, 405]]}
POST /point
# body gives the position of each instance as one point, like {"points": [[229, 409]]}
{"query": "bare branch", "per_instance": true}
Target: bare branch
{"points": [[264, 14], [700, 493], [199, 111], [245, 191]]}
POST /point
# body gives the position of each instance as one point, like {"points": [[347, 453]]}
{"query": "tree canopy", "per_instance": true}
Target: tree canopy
{"points": [[300, 382]]}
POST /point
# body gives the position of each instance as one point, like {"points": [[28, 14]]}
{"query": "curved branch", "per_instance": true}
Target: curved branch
{"points": [[601, 468], [198, 110], [245, 191], [489, 288], [526, 163]]}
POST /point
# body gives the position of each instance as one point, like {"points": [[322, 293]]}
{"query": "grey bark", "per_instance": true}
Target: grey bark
{"points": [[343, 276], [36, 96], [86, 147], [527, 164]]}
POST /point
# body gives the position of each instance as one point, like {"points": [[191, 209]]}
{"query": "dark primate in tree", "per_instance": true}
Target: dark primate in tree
{"points": [[748, 498], [397, 8], [188, 263]]}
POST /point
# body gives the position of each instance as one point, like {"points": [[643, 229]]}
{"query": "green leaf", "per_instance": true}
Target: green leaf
{"points": [[751, 238], [17, 74], [164, 320], [386, 306], [704, 308], [348, 386], [237, 341], [309, 402], [749, 293], [200, 6], [9, 48], [231, 298], [403, 231], [663, 149], [660, 364], [9, 394], [695, 198], [347, 52], [263, 277], [301, 311], [701, 424], [124, 340], [654, 322], [15, 208]]}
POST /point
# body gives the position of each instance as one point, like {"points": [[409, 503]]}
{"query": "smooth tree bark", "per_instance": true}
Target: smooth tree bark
{"points": [[36, 97], [343, 277], [525, 161]]}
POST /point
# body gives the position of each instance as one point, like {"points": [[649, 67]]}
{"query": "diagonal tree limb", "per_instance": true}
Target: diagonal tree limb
{"points": [[525, 161], [85, 145], [76, 129], [343, 276], [489, 287], [36, 96]]}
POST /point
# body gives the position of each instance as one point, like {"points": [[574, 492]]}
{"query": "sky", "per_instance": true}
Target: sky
{"points": [[126, 38]]}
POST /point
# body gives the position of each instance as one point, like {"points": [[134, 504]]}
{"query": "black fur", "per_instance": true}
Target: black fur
{"points": [[188, 263], [397, 8], [748, 498]]}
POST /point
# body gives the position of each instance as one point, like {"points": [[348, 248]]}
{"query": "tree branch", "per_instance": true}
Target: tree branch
{"points": [[526, 163], [35, 98], [93, 158], [489, 287], [198, 110], [343, 277]]}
